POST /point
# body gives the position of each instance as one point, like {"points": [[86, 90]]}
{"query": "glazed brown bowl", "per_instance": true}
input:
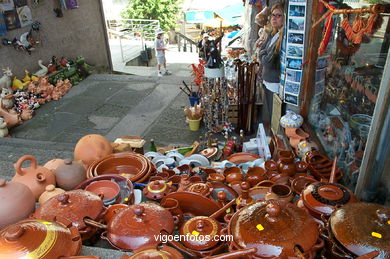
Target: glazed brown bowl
{"points": [[130, 167], [108, 190]]}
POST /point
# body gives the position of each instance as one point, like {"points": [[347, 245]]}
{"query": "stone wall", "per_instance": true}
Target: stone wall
{"points": [[79, 32]]}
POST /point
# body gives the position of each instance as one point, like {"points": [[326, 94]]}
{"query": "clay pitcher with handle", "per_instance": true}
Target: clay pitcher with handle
{"points": [[34, 177]]}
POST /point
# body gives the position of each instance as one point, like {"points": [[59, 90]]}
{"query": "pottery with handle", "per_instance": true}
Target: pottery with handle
{"points": [[34, 177]]}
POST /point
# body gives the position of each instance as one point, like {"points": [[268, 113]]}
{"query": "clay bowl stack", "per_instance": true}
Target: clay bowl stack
{"points": [[133, 166]]}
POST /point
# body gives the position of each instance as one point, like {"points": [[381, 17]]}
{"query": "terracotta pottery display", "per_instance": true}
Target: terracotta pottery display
{"points": [[91, 148], [357, 229], [133, 166], [16, 202], [203, 189], [324, 198], [254, 175], [74, 206], [173, 207], [278, 229], [233, 174], [286, 163], [270, 165], [70, 174], [244, 199], [156, 190], [220, 187], [53, 164], [193, 204], [42, 239], [279, 192], [136, 226], [126, 194], [165, 252], [49, 192], [34, 177], [216, 177], [107, 190], [242, 157]]}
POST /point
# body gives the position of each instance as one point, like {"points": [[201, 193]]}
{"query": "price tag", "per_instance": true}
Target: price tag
{"points": [[388, 222], [260, 227], [126, 199], [195, 233], [376, 234], [228, 210], [122, 174]]}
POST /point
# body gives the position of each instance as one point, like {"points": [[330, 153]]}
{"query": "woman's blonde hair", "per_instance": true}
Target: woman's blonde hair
{"points": [[278, 44]]}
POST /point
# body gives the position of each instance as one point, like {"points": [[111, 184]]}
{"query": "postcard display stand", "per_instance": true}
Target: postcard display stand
{"points": [[214, 99]]}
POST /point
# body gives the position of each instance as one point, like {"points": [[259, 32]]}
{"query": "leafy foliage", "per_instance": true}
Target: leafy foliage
{"points": [[166, 11]]}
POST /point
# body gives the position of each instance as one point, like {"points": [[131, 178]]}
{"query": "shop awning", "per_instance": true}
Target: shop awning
{"points": [[231, 13], [199, 16]]}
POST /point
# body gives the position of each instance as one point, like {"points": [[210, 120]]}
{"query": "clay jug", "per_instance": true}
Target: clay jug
{"points": [[34, 177], [53, 164], [50, 191], [286, 163], [91, 148], [70, 174], [16, 202]]}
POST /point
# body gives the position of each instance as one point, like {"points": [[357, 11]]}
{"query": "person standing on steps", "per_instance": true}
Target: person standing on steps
{"points": [[159, 46], [269, 56]]}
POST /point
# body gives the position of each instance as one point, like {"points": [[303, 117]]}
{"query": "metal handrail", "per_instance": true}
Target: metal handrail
{"points": [[186, 39]]}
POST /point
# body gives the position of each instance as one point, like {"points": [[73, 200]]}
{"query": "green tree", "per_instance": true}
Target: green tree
{"points": [[166, 11]]}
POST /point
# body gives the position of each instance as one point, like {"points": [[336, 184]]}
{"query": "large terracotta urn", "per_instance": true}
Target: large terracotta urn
{"points": [[16, 202], [34, 177], [91, 148]]}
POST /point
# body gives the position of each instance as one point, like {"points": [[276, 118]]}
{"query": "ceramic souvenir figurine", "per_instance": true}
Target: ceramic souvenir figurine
{"points": [[5, 80], [42, 71], [291, 119], [3, 128], [7, 99]]}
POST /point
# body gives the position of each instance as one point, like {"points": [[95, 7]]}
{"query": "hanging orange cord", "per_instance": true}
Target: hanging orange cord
{"points": [[327, 32]]}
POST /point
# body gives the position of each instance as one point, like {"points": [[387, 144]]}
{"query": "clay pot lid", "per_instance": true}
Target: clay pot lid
{"points": [[72, 205], [165, 252], [157, 186], [136, 226], [242, 157], [200, 188], [322, 198], [274, 227], [362, 227], [32, 238], [200, 227]]}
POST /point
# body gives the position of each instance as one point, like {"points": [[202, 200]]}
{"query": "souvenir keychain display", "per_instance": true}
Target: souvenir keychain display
{"points": [[215, 102]]}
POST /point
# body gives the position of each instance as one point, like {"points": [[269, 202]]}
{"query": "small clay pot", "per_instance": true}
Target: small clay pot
{"points": [[157, 190], [233, 174], [280, 192], [301, 167], [70, 174], [255, 175], [270, 165], [286, 163], [105, 189], [49, 192], [216, 177]]}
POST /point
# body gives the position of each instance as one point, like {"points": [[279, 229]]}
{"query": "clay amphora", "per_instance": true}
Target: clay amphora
{"points": [[70, 174], [17, 202], [50, 191], [286, 163], [34, 177]]}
